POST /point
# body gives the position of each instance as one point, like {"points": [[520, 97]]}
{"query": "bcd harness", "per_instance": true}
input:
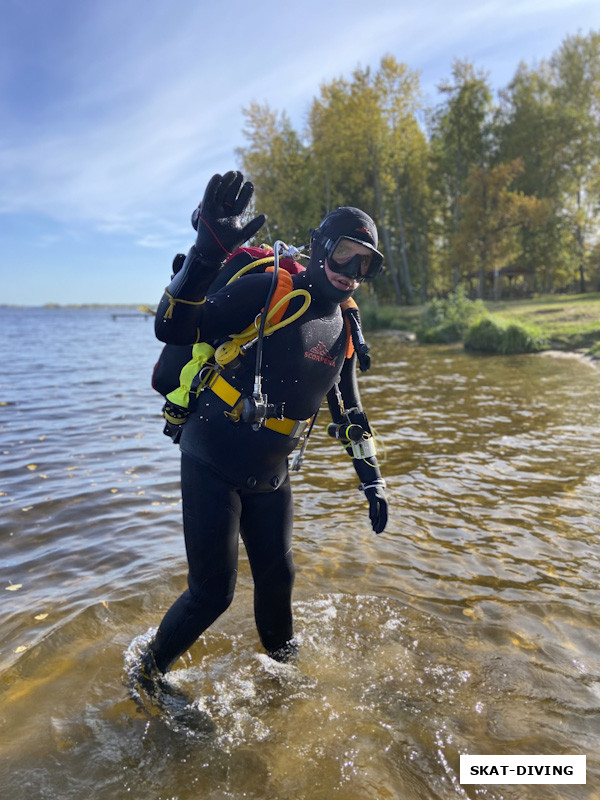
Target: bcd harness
{"points": [[206, 367], [204, 371]]}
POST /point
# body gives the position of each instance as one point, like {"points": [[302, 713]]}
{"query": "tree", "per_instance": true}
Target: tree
{"points": [[460, 140], [532, 128], [576, 67], [550, 118], [406, 161], [491, 216], [514, 184], [280, 166], [348, 141], [358, 129]]}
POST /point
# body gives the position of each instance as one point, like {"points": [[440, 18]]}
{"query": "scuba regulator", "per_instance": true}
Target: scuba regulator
{"points": [[257, 409]]}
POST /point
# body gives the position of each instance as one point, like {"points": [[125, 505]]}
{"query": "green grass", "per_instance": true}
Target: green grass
{"points": [[564, 322], [568, 322], [375, 316]]}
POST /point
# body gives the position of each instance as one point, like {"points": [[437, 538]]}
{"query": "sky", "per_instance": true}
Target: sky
{"points": [[114, 114]]}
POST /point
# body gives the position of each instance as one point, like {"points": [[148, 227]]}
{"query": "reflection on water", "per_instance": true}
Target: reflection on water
{"points": [[470, 626]]}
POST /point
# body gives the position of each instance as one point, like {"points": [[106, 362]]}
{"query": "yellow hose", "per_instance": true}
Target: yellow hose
{"points": [[252, 330], [248, 267]]}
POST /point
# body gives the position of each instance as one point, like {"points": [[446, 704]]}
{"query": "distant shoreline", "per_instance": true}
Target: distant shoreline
{"points": [[144, 310], [76, 306]]}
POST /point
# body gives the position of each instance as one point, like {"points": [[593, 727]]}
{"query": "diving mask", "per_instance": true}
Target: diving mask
{"points": [[342, 258]]}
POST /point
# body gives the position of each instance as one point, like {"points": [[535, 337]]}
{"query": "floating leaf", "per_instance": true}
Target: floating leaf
{"points": [[520, 641], [40, 617], [114, 491], [27, 508], [32, 466], [20, 649], [13, 587], [105, 603]]}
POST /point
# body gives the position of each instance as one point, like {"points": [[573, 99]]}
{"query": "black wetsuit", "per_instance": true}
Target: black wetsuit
{"points": [[234, 479]]}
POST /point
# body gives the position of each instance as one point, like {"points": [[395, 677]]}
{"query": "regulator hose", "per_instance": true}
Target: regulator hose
{"points": [[263, 320]]}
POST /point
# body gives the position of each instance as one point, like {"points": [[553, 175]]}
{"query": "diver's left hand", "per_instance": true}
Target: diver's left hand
{"points": [[378, 507]]}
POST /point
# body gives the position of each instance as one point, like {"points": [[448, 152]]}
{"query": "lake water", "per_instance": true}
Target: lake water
{"points": [[470, 626]]}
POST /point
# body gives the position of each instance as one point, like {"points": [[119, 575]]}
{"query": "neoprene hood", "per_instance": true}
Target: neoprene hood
{"points": [[345, 222]]}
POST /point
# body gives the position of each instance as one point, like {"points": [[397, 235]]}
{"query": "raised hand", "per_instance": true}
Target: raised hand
{"points": [[219, 217]]}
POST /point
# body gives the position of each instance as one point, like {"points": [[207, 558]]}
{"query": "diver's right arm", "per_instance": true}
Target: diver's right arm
{"points": [[220, 232], [180, 309]]}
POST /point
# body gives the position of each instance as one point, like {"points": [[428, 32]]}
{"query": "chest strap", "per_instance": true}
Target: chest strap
{"points": [[231, 397]]}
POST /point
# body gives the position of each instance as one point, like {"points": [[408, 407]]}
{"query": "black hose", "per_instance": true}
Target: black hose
{"points": [[263, 319]]}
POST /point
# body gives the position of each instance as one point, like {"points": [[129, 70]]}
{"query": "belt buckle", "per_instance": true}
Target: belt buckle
{"points": [[299, 428]]}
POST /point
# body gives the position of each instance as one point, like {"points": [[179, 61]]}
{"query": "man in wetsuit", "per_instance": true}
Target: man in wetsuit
{"points": [[234, 475]]}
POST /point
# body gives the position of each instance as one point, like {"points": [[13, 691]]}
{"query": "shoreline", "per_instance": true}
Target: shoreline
{"points": [[592, 361], [403, 334], [409, 337]]}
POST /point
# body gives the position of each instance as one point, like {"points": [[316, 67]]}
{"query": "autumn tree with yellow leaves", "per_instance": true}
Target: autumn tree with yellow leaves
{"points": [[461, 193], [492, 216]]}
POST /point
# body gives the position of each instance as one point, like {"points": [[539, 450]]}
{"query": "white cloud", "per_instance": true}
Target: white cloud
{"points": [[152, 93]]}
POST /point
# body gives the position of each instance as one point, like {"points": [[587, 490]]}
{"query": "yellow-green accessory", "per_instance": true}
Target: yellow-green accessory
{"points": [[176, 408]]}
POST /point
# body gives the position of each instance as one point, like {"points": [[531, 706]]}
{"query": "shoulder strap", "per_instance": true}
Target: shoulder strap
{"points": [[285, 285], [347, 304]]}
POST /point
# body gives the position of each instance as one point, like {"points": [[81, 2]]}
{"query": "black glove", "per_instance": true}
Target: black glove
{"points": [[218, 219], [378, 507]]}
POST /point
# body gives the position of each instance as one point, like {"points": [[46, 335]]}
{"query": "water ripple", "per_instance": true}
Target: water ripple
{"points": [[469, 626]]}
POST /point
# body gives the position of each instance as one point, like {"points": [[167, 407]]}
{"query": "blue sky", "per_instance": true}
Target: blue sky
{"points": [[113, 115]]}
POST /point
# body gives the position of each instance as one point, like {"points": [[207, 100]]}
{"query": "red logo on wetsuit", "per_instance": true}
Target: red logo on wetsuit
{"points": [[320, 353]]}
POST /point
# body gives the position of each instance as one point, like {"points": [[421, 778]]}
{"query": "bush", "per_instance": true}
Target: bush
{"points": [[484, 335], [447, 319], [493, 335], [594, 351], [383, 317]]}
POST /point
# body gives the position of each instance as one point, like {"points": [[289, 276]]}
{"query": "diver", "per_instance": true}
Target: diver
{"points": [[237, 436]]}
